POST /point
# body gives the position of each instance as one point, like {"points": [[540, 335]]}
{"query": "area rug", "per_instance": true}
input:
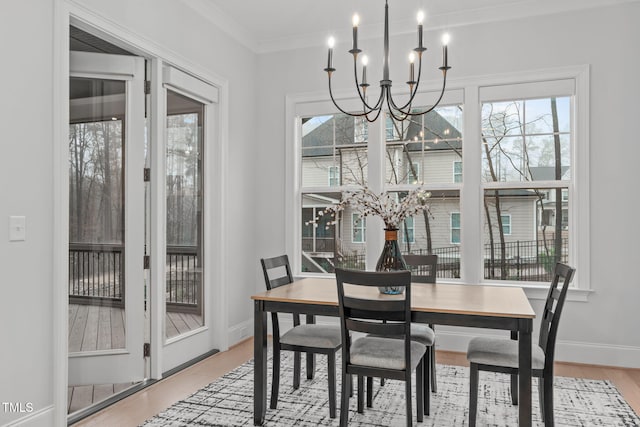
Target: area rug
{"points": [[228, 401]]}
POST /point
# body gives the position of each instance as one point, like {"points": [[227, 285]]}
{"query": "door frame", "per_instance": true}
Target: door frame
{"points": [[65, 13]]}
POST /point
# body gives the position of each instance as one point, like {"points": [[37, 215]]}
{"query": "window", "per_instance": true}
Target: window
{"points": [[334, 176], [455, 227], [506, 224], [527, 160], [523, 141], [457, 171], [413, 173], [359, 226], [407, 231]]}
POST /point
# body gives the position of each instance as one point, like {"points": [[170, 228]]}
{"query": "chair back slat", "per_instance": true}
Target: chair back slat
{"points": [[563, 274], [276, 263], [361, 314], [390, 329], [277, 272], [423, 267], [373, 305]]}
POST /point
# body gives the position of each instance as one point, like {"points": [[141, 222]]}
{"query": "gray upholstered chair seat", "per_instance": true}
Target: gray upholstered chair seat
{"points": [[385, 353], [313, 335], [501, 352], [419, 332]]}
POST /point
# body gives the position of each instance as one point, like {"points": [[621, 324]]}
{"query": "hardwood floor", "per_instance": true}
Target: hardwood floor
{"points": [[135, 409]]}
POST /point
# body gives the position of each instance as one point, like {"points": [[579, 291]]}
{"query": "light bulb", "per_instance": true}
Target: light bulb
{"points": [[331, 42], [420, 17], [365, 60], [446, 38], [412, 57], [355, 19]]}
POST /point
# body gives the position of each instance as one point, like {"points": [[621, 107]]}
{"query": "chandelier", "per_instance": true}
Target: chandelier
{"points": [[398, 112]]}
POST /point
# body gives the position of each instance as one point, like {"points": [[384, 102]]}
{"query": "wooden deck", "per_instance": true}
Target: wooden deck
{"points": [[94, 328]]}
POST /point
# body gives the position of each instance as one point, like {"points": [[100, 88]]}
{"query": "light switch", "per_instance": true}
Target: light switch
{"points": [[17, 228]]}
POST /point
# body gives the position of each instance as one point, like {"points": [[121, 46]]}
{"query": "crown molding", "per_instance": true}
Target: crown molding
{"points": [[436, 22]]}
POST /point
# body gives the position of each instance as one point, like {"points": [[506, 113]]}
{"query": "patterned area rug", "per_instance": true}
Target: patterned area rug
{"points": [[228, 401]]}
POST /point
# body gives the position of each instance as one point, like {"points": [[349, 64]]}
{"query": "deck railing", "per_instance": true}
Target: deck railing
{"points": [[530, 260], [184, 279], [96, 276]]}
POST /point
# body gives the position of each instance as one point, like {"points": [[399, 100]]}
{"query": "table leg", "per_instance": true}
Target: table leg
{"points": [[311, 358], [524, 368], [260, 363]]}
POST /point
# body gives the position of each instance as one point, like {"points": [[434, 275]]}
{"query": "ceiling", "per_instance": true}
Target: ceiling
{"points": [[266, 26]]}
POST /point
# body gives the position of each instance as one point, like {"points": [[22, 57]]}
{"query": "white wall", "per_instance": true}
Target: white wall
{"points": [[604, 329], [26, 173]]}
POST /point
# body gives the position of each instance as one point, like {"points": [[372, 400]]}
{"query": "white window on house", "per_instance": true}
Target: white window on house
{"points": [[455, 228], [408, 231], [334, 176], [413, 174], [457, 171], [359, 227], [506, 224]]}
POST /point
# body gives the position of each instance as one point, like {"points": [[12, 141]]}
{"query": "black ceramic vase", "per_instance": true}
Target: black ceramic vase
{"points": [[391, 260]]}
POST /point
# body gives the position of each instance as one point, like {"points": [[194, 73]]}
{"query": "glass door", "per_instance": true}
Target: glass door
{"points": [[106, 226], [189, 129]]}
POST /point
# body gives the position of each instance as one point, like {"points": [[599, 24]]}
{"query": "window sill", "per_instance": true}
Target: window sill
{"points": [[539, 292]]}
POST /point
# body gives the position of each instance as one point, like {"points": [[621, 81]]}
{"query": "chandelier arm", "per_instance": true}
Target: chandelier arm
{"points": [[339, 108], [444, 85], [379, 110], [393, 110], [407, 107]]}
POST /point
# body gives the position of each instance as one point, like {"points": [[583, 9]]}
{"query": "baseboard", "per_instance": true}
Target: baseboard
{"points": [[566, 351], [239, 332], [41, 418]]}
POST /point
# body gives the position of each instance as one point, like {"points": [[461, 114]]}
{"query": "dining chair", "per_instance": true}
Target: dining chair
{"points": [[423, 270], [501, 355], [364, 310], [309, 338]]}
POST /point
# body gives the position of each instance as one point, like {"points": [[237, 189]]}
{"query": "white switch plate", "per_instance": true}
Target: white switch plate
{"points": [[17, 228]]}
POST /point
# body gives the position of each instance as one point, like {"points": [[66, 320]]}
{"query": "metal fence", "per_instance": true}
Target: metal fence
{"points": [[184, 279], [96, 276], [530, 260]]}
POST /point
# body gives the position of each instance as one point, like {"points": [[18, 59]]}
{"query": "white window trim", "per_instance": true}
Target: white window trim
{"points": [[466, 91], [455, 162], [413, 231], [510, 226], [362, 227], [336, 177], [451, 228]]}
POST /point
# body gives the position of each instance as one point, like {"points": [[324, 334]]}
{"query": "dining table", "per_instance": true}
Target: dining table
{"points": [[468, 305]]}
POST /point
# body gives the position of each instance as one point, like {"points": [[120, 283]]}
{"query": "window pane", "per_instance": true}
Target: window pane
{"points": [[520, 251], [526, 140], [327, 241], [184, 190], [423, 148], [429, 232], [334, 150]]}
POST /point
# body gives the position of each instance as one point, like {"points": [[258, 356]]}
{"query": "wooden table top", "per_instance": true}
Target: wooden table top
{"points": [[496, 301]]}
